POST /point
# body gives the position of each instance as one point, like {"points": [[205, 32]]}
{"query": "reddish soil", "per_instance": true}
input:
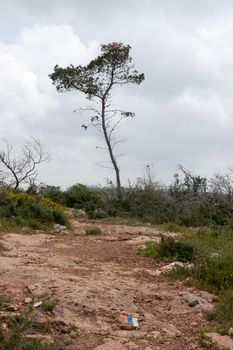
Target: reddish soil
{"points": [[94, 279]]}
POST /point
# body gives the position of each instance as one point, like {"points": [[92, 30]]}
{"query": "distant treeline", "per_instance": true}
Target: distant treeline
{"points": [[190, 200]]}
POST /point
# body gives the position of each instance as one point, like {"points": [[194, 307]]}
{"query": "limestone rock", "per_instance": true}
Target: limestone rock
{"points": [[222, 341], [59, 228], [28, 300], [194, 300], [11, 308], [80, 214], [171, 266], [230, 331], [171, 331]]}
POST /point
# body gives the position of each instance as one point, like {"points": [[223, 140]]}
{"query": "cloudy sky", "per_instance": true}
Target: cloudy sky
{"points": [[184, 108]]}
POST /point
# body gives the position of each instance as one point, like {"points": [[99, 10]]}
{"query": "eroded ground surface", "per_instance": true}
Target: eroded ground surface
{"points": [[93, 279]]}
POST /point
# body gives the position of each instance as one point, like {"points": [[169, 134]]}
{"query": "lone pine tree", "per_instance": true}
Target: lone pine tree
{"points": [[113, 67]]}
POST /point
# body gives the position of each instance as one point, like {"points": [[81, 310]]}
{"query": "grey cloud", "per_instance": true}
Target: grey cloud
{"points": [[183, 109]]}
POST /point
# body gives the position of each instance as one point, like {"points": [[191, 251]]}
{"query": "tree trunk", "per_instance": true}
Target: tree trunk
{"points": [[110, 150]]}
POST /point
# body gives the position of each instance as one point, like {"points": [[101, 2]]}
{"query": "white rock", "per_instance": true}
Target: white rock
{"points": [[194, 300], [173, 265], [38, 304], [222, 341], [28, 300], [80, 214]]}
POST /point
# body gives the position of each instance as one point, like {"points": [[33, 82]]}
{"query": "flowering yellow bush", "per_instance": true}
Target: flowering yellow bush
{"points": [[24, 209], [20, 196], [49, 203]]}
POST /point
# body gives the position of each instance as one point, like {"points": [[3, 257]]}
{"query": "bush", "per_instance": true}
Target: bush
{"points": [[22, 209], [14, 338], [93, 231], [7, 207], [59, 217], [216, 271], [148, 202], [48, 304], [170, 250], [176, 250], [222, 313], [82, 197]]}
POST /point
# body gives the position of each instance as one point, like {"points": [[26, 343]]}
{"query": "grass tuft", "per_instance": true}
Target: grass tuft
{"points": [[93, 231], [170, 250], [48, 305], [14, 337]]}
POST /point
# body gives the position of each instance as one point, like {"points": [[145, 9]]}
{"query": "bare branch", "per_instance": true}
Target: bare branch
{"points": [[21, 167]]}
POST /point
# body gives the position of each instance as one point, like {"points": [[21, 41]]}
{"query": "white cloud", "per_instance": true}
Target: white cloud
{"points": [[184, 109], [29, 104]]}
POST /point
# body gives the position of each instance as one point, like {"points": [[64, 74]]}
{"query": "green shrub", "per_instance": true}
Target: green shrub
{"points": [[223, 311], [83, 197], [59, 217], [150, 250], [172, 227], [170, 250], [22, 209], [48, 304], [3, 302], [7, 207], [216, 271], [179, 272], [14, 339], [93, 231]]}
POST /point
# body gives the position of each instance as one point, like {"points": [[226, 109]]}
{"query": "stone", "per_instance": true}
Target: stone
{"points": [[131, 345], [155, 334], [194, 300], [36, 289], [207, 296], [215, 255], [56, 226], [28, 300], [221, 341], [31, 288], [157, 273], [80, 214], [25, 229], [5, 326], [102, 331], [230, 332], [7, 314], [59, 228], [193, 303], [171, 331], [73, 334], [194, 324], [171, 266], [38, 304], [12, 308]]}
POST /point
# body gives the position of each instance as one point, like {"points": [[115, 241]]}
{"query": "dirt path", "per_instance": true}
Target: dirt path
{"points": [[95, 278]]}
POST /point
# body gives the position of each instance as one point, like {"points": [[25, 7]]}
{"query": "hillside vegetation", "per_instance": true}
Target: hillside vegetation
{"points": [[22, 209]]}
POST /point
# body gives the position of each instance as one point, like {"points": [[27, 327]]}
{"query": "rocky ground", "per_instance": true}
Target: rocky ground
{"points": [[93, 279]]}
